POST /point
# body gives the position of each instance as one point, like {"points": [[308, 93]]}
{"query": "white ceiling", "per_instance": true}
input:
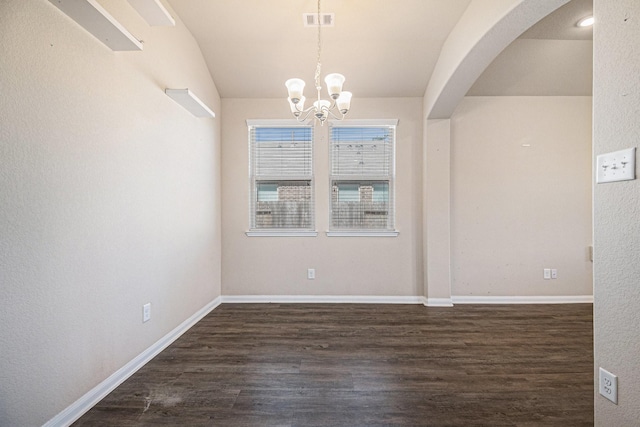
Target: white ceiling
{"points": [[384, 48]]}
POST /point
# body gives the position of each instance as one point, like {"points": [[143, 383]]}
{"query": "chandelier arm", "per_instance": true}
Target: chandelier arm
{"points": [[332, 114], [306, 110], [334, 107], [304, 115]]}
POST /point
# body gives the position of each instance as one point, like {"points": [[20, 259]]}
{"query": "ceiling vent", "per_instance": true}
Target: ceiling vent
{"points": [[311, 19]]}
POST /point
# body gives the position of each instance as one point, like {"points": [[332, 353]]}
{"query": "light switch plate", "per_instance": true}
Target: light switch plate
{"points": [[616, 166]]}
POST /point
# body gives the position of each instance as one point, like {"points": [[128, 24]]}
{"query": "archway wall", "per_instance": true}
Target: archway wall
{"points": [[486, 28]]}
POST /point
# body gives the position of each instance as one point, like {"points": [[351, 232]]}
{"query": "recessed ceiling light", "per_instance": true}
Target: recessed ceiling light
{"points": [[585, 22]]}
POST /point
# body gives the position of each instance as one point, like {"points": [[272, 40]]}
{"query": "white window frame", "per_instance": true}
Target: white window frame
{"points": [[391, 231], [254, 180]]}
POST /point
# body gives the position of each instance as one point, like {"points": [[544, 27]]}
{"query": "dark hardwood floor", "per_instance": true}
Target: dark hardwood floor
{"points": [[367, 365]]}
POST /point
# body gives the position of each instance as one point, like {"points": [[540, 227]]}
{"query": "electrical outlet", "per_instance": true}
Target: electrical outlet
{"points": [[608, 385], [146, 312], [554, 273], [311, 273], [547, 273]]}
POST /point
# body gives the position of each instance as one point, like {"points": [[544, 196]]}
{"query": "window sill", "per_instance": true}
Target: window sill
{"points": [[281, 233], [381, 233]]}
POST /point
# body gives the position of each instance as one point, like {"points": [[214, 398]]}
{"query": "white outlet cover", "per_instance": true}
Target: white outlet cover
{"points": [[616, 166], [608, 385], [146, 312]]}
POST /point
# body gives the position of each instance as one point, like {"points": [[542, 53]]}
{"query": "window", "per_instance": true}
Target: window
{"points": [[281, 169], [362, 177]]}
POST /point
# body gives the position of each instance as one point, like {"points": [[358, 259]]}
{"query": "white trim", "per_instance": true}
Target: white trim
{"points": [[329, 299], [93, 396], [280, 233], [572, 299], [438, 302], [381, 233], [363, 122], [276, 123]]}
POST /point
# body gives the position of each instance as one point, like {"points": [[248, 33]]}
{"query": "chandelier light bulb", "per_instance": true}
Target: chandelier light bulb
{"points": [[334, 83], [295, 88], [344, 102]]}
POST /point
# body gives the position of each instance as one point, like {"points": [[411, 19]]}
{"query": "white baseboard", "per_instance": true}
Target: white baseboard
{"points": [[93, 396], [438, 302], [429, 302], [332, 299], [577, 299]]}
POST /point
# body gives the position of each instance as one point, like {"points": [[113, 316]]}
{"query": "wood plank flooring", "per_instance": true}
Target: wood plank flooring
{"points": [[367, 365]]}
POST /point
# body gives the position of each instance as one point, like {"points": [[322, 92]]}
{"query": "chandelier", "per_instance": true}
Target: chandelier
{"points": [[321, 109]]}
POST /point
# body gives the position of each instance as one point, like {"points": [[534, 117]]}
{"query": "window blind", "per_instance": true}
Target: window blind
{"points": [[281, 168], [362, 151], [282, 152], [362, 177]]}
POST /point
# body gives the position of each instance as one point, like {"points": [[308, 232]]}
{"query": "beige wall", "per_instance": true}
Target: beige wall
{"points": [[109, 199], [436, 193], [616, 102], [356, 266], [516, 210], [503, 231]]}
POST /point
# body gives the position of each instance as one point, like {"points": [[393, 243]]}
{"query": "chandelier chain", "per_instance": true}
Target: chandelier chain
{"points": [[319, 65]]}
